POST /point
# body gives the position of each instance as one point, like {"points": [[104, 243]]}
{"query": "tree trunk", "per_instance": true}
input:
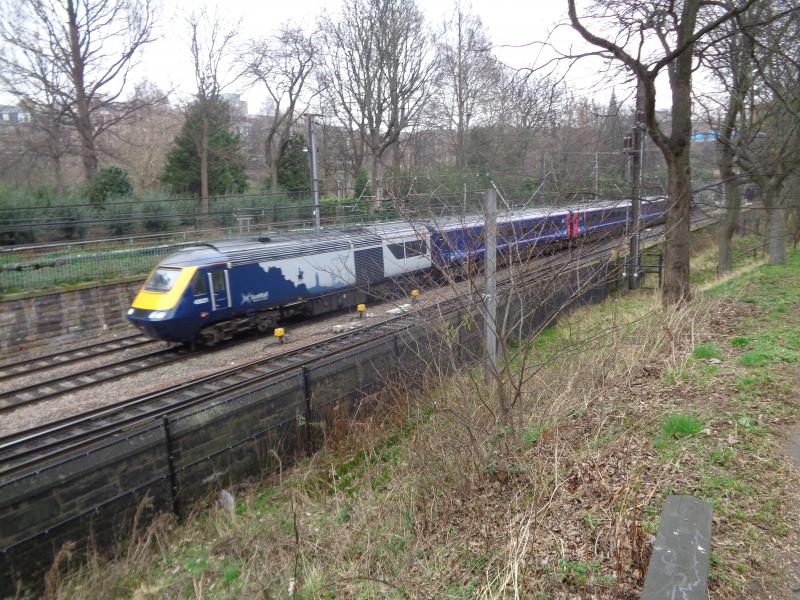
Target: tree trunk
{"points": [[733, 204], [677, 238], [273, 174], [776, 234], [58, 171], [272, 162], [84, 121], [204, 164], [375, 202]]}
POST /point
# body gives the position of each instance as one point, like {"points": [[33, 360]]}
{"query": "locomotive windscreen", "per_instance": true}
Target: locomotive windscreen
{"points": [[162, 280]]}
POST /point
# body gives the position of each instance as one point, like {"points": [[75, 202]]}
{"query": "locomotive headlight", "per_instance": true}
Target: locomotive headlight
{"points": [[130, 311], [158, 314]]}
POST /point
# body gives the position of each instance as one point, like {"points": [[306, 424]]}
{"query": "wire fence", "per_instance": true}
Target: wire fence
{"points": [[28, 266], [36, 267]]}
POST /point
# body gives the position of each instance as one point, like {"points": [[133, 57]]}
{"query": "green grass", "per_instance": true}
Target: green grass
{"points": [[680, 425], [673, 376], [740, 341], [577, 574], [706, 350]]}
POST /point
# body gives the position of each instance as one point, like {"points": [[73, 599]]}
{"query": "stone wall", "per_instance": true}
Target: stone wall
{"points": [[64, 316]]}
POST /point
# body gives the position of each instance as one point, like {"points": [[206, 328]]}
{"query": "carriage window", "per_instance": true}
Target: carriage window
{"points": [[218, 280], [162, 280], [198, 284], [397, 250], [417, 248]]}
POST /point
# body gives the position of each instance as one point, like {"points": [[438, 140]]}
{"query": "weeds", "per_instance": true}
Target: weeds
{"points": [[706, 350]]}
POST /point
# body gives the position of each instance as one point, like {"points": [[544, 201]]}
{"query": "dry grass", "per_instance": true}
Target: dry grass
{"points": [[432, 496]]}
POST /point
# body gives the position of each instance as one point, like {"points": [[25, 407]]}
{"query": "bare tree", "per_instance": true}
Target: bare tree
{"points": [[211, 40], [730, 62], [142, 142], [75, 55], [769, 126], [376, 72], [283, 64], [680, 29], [467, 78]]}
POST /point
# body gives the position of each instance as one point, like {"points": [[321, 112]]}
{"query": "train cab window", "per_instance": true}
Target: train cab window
{"points": [[198, 285], [416, 248], [397, 251], [162, 280]]}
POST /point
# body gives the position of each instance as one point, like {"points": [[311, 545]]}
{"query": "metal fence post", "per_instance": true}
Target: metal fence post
{"points": [[173, 486], [307, 395]]}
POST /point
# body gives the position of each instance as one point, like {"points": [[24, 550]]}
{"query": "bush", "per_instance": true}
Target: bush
{"points": [[158, 217], [72, 221], [121, 219], [110, 182]]}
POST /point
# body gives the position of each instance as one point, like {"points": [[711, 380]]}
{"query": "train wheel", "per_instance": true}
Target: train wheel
{"points": [[210, 337]]}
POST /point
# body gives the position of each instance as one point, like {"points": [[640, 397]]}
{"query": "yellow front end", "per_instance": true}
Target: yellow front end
{"points": [[147, 300]]}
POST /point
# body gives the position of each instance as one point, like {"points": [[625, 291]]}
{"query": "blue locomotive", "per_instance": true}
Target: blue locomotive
{"points": [[210, 292]]}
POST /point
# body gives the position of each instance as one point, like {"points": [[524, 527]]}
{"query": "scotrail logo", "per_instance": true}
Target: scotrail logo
{"points": [[250, 297]]}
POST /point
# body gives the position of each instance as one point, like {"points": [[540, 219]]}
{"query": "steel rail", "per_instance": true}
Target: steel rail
{"points": [[37, 392], [43, 362]]}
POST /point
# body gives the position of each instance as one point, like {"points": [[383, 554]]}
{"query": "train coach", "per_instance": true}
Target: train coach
{"points": [[210, 292]]}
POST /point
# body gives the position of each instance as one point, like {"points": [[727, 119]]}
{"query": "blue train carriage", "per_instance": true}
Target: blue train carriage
{"points": [[654, 209], [211, 292], [604, 219], [460, 242]]}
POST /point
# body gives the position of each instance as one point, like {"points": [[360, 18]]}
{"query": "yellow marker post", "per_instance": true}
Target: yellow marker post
{"points": [[414, 295], [279, 333], [361, 308]]}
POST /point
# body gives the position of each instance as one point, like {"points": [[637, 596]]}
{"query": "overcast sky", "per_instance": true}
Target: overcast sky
{"points": [[516, 27]]}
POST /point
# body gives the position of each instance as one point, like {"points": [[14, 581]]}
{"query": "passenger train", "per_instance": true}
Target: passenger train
{"points": [[209, 292]]}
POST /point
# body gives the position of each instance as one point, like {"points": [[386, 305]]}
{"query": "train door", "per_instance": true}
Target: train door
{"points": [[570, 225], [219, 288]]}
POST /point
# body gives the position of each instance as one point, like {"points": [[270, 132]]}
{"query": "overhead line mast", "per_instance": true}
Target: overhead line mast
{"points": [[635, 149]]}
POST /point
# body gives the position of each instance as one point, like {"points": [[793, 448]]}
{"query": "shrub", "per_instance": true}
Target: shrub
{"points": [[110, 182], [71, 221], [120, 218], [157, 217], [361, 186]]}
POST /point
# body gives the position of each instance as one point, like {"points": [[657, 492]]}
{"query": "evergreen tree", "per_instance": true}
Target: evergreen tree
{"points": [[225, 162], [293, 170], [361, 186]]}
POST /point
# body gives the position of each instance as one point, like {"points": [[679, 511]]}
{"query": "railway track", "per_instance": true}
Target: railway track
{"points": [[26, 448], [9, 370], [37, 392]]}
